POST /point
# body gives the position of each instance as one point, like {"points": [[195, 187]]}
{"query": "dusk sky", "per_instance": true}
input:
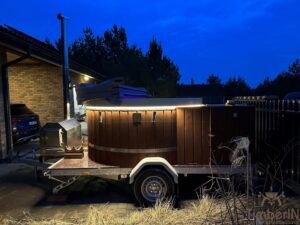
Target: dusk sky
{"points": [[248, 38]]}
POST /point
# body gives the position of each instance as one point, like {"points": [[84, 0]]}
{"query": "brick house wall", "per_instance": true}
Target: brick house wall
{"points": [[40, 87]]}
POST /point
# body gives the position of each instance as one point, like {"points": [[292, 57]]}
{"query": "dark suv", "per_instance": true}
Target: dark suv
{"points": [[25, 123]]}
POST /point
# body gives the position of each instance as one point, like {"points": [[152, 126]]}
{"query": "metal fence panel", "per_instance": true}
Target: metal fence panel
{"points": [[277, 133]]}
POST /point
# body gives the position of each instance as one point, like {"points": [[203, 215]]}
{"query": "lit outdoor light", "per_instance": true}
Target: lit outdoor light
{"points": [[137, 108], [86, 77]]}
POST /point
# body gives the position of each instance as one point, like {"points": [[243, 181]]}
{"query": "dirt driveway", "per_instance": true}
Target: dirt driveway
{"points": [[21, 193]]}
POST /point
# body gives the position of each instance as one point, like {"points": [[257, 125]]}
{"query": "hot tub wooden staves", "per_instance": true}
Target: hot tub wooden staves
{"points": [[123, 138], [183, 136]]}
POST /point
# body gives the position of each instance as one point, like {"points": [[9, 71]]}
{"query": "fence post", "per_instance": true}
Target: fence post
{"points": [[297, 139]]}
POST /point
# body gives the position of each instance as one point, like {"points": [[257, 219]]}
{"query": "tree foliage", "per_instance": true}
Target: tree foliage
{"points": [[111, 55], [213, 79], [285, 82], [236, 86]]}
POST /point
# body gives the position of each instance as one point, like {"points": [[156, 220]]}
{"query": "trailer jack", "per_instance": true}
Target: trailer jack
{"points": [[63, 184]]}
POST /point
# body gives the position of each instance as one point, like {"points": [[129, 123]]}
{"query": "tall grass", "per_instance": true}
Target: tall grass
{"points": [[202, 211]]}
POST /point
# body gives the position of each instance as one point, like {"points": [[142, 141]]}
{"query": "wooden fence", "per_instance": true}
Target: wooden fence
{"points": [[277, 133]]}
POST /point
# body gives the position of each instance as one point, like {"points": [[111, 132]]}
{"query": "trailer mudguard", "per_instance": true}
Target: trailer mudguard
{"points": [[153, 161]]}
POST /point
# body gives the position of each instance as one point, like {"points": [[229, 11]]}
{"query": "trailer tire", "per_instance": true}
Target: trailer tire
{"points": [[151, 185]]}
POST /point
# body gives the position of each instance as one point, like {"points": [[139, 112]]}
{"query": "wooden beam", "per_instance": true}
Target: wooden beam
{"points": [[5, 118]]}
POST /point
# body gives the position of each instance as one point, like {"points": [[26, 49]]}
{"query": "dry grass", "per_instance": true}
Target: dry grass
{"points": [[200, 211]]}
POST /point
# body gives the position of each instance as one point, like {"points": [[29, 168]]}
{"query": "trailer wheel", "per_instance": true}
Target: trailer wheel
{"points": [[153, 184]]}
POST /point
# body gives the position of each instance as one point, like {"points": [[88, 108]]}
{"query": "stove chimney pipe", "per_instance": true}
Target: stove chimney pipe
{"points": [[65, 65]]}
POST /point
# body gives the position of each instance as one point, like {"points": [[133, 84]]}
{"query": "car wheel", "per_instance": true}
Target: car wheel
{"points": [[152, 185]]}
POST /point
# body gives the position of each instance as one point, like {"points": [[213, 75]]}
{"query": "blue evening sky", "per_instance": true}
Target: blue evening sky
{"points": [[248, 38]]}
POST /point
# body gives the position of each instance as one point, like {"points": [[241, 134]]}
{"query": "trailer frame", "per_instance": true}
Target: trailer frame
{"points": [[75, 168]]}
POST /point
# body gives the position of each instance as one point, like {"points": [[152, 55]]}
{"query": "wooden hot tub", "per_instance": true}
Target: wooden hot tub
{"points": [[183, 131], [124, 133], [116, 139]]}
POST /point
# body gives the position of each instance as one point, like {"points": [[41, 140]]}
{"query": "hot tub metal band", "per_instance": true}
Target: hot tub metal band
{"points": [[127, 150]]}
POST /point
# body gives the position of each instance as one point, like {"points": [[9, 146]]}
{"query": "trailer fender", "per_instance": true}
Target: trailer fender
{"points": [[153, 161]]}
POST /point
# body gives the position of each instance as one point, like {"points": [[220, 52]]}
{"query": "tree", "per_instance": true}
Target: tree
{"points": [[264, 87], [111, 55], [162, 74], [115, 42], [213, 79], [88, 50], [294, 69], [154, 53], [236, 87], [285, 82]]}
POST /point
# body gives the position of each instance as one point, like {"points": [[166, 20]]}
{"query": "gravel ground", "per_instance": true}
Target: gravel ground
{"points": [[21, 193]]}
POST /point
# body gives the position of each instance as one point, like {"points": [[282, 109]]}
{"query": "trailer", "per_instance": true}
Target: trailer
{"points": [[151, 178], [150, 143]]}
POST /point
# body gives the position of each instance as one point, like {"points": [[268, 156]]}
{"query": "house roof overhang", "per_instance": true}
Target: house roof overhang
{"points": [[20, 43]]}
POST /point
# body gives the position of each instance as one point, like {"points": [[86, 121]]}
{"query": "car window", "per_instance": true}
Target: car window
{"points": [[20, 109]]}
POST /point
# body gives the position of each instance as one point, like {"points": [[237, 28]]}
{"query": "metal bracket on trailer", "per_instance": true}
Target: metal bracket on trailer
{"points": [[63, 184]]}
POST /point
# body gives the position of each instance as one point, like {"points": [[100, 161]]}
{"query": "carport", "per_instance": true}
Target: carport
{"points": [[31, 74]]}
